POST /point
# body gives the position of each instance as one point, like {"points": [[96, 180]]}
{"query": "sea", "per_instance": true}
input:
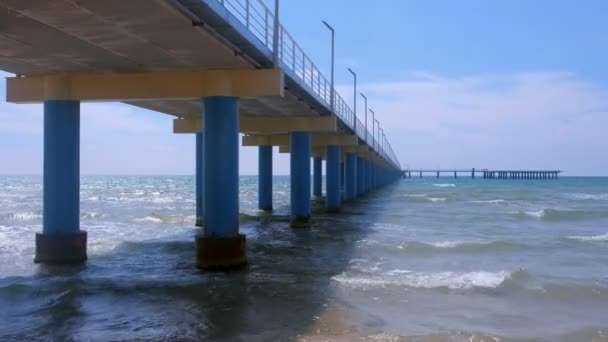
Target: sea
{"points": [[431, 259]]}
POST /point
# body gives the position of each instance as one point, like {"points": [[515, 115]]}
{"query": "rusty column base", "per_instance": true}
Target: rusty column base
{"points": [[300, 221], [61, 248], [221, 254]]}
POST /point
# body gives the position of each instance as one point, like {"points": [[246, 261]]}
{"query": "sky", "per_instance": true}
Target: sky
{"points": [[455, 84]]}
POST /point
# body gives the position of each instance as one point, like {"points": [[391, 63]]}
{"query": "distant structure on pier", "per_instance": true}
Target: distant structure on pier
{"points": [[485, 173]]}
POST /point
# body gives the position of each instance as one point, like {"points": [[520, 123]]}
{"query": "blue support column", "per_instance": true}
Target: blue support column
{"points": [[360, 177], [350, 176], [342, 175], [299, 146], [317, 176], [61, 240], [221, 246], [332, 187], [368, 183], [265, 178], [200, 211]]}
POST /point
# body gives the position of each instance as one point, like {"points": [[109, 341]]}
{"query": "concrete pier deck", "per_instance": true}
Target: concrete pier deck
{"points": [[220, 68]]}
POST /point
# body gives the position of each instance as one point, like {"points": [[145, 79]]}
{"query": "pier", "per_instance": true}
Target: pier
{"points": [[483, 173], [220, 68]]}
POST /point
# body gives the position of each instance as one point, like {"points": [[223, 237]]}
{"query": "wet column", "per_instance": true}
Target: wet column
{"points": [[342, 175], [332, 173], [200, 211], [265, 178], [368, 165], [317, 177], [221, 246], [299, 144], [61, 240], [360, 177], [350, 176]]}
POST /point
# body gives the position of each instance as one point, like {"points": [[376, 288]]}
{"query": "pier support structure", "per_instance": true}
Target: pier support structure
{"points": [[350, 176], [265, 177], [360, 177], [221, 246], [199, 181], [332, 174], [317, 177], [61, 240], [300, 150]]}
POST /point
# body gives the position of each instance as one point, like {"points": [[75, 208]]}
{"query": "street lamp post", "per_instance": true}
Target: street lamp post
{"points": [[355, 101], [275, 36], [382, 142], [331, 100], [365, 98], [378, 141], [373, 129]]}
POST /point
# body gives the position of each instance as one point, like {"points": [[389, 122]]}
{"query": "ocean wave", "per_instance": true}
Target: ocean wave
{"points": [[163, 200], [165, 219], [601, 237], [437, 199], [458, 246], [560, 214], [443, 185], [429, 280], [23, 216], [414, 195], [496, 201], [582, 196], [88, 215]]}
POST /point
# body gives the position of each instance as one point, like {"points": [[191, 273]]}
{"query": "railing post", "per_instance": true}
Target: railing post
{"points": [[266, 28], [275, 37], [247, 13]]}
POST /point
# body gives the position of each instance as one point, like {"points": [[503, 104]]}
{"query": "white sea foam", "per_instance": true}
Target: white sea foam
{"points": [[152, 219], [93, 198], [414, 195], [163, 200], [447, 244], [496, 201], [582, 196], [442, 185], [25, 216], [406, 278], [437, 199], [537, 214], [602, 237]]}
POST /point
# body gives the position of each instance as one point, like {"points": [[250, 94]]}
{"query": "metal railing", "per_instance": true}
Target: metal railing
{"points": [[259, 20]]}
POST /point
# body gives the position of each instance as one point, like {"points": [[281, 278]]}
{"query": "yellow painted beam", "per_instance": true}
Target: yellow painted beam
{"points": [[151, 85], [315, 152], [283, 124], [318, 140]]}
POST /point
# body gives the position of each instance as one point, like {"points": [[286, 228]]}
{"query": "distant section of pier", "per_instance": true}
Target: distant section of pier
{"points": [[484, 173]]}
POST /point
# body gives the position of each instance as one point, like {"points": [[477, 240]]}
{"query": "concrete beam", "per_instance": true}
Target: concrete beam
{"points": [[145, 85], [319, 140], [316, 152], [268, 125]]}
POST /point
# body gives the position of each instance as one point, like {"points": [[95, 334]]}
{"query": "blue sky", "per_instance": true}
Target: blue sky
{"points": [[497, 84]]}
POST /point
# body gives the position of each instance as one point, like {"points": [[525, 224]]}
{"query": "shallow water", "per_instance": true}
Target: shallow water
{"points": [[424, 259]]}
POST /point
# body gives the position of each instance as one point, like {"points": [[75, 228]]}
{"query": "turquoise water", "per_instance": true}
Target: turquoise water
{"points": [[446, 258]]}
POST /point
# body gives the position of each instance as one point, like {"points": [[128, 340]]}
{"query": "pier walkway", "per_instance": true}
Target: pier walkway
{"points": [[485, 173], [220, 68]]}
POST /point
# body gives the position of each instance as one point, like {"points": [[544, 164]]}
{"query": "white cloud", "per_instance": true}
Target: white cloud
{"points": [[518, 120]]}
